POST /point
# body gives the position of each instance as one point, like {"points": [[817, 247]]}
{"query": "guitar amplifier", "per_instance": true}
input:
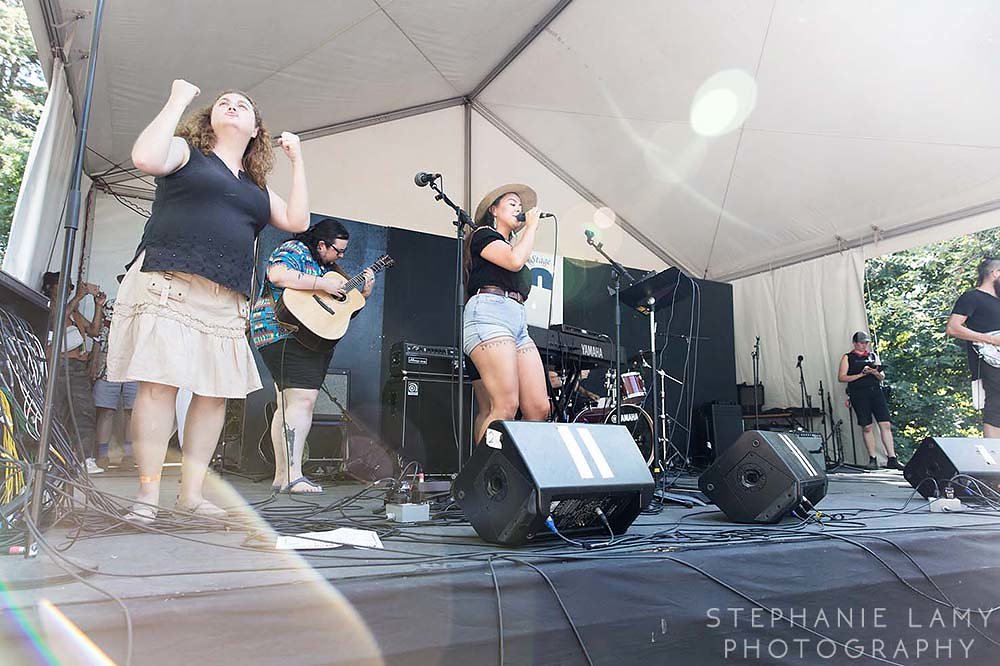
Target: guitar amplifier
{"points": [[408, 359]]}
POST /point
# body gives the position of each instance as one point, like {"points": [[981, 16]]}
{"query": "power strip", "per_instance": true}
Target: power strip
{"points": [[945, 505], [408, 512]]}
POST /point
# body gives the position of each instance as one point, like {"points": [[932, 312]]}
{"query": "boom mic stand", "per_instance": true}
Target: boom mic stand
{"points": [[755, 358], [462, 220], [615, 288], [71, 226], [806, 418]]}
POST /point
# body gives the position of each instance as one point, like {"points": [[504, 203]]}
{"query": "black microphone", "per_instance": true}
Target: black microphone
{"points": [[520, 216], [422, 178], [799, 364]]}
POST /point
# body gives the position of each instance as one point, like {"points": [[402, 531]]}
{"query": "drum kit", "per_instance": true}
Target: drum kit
{"points": [[632, 414]]}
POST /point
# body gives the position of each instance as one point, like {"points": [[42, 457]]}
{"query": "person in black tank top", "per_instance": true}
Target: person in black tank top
{"points": [[181, 312], [862, 370], [976, 319], [496, 336]]}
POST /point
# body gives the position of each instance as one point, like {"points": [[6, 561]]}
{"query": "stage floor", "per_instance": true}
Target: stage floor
{"points": [[877, 580]]}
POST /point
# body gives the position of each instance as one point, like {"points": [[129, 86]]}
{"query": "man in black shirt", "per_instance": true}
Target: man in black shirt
{"points": [[976, 318]]}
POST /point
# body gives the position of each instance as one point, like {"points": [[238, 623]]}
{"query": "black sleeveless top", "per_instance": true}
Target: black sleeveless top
{"points": [[483, 272], [855, 364], [205, 221]]}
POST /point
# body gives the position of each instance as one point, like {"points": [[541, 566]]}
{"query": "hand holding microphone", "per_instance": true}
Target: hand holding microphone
{"points": [[524, 217]]}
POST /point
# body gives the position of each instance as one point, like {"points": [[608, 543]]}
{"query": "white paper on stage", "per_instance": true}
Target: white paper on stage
{"points": [[342, 536]]}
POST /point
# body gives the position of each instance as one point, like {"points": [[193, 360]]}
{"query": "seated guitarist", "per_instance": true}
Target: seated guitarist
{"points": [[976, 318], [308, 262]]}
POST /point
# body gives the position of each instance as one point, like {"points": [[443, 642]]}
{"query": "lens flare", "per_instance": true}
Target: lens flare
{"points": [[604, 217], [723, 103]]}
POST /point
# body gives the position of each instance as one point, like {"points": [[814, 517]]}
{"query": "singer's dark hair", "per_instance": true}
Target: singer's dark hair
{"points": [[327, 230], [987, 266], [487, 221]]}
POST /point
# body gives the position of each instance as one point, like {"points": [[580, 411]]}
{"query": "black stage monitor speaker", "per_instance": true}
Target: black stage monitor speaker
{"points": [[944, 458], [522, 473], [765, 475]]}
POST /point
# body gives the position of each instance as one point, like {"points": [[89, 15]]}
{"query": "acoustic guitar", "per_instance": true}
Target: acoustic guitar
{"points": [[318, 319]]}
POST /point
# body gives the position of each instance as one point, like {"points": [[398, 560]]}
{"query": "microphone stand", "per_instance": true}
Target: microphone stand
{"points": [[462, 220], [807, 421], [615, 287], [755, 357], [71, 226]]}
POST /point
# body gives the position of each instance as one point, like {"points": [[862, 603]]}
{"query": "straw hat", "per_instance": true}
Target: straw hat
{"points": [[527, 195]]}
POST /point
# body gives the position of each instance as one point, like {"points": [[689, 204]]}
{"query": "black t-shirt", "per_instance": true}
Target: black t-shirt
{"points": [[855, 364], [983, 316], [483, 272], [205, 221]]}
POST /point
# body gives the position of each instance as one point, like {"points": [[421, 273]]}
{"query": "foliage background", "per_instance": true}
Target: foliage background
{"points": [[22, 95], [910, 295]]}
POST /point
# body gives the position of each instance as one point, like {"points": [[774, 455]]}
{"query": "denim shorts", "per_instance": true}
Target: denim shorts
{"points": [[489, 316], [111, 395]]}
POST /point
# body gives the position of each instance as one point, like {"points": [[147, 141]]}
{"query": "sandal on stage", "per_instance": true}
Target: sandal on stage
{"points": [[140, 514], [289, 488], [203, 509]]}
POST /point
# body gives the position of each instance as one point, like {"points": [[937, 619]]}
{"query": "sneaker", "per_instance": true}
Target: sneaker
{"points": [[103, 462], [892, 463], [92, 467], [128, 462], [872, 462]]}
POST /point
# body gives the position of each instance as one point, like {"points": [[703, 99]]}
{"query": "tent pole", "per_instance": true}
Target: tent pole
{"points": [[71, 225]]}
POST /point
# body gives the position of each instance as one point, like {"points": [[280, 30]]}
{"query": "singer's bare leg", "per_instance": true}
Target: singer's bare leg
{"points": [[482, 406], [533, 395], [496, 360]]}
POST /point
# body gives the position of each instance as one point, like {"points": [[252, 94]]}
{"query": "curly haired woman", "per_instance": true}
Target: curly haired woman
{"points": [[180, 318]]}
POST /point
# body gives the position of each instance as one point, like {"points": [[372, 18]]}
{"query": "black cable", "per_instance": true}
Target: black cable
{"points": [[496, 588], [569, 618], [58, 559]]}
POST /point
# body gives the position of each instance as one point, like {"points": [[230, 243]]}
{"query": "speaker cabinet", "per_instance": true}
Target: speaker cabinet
{"points": [[765, 475], [418, 421], [938, 460], [717, 427], [522, 473]]}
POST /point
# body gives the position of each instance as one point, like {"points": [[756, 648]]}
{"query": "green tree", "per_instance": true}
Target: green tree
{"points": [[22, 95], [910, 295]]}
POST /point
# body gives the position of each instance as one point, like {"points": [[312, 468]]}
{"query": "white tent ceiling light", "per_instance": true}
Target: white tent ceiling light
{"points": [[732, 136]]}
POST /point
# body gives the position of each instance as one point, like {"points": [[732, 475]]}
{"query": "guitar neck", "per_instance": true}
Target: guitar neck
{"points": [[358, 281]]}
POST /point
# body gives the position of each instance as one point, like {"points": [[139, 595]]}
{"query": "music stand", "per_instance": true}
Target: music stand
{"points": [[651, 293]]}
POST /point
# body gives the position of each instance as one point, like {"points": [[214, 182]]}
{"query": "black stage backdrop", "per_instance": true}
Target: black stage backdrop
{"points": [[695, 340], [415, 301]]}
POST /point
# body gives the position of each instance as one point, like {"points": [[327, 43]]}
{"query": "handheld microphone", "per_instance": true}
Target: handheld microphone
{"points": [[799, 364], [422, 179], [520, 216]]}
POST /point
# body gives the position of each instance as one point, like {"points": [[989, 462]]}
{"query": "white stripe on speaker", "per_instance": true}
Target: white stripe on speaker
{"points": [[575, 452], [595, 452], [797, 452]]}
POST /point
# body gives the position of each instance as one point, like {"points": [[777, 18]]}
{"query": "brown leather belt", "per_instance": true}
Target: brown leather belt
{"points": [[497, 291]]}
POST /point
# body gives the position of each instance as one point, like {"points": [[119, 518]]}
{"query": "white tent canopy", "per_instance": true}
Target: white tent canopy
{"points": [[726, 137]]}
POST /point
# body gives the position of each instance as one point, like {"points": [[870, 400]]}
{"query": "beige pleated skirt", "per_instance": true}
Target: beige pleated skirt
{"points": [[181, 330]]}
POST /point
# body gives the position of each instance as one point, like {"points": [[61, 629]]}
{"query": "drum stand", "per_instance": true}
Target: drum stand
{"points": [[647, 295]]}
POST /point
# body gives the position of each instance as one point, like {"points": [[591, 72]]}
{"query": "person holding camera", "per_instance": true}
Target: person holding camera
{"points": [[862, 371]]}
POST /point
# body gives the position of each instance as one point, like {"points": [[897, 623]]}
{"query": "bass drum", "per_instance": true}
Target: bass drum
{"points": [[635, 418]]}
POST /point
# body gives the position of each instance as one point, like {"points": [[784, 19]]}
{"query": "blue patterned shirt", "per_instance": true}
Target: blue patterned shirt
{"points": [[264, 328]]}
